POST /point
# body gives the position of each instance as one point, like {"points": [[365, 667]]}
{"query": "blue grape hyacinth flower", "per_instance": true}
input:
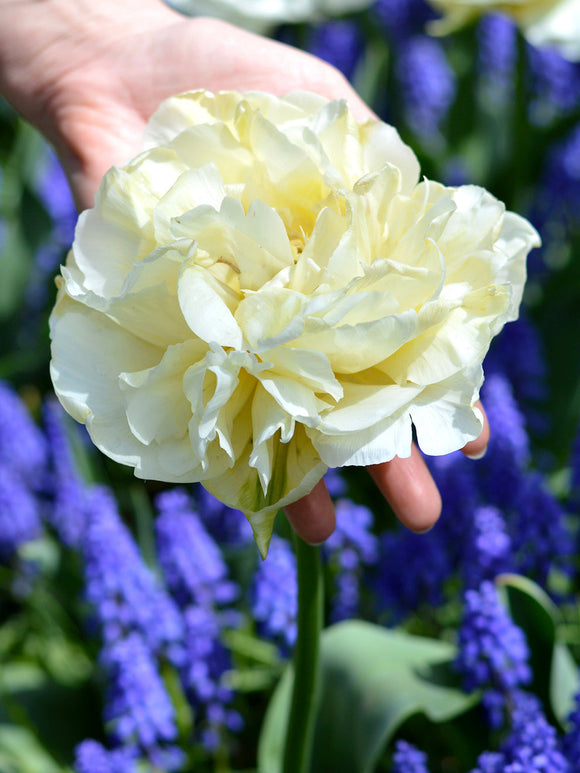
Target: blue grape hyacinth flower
{"points": [[192, 562], [92, 757], [428, 85], [350, 549], [408, 759], [274, 599], [138, 706], [493, 653], [124, 593], [338, 42]]}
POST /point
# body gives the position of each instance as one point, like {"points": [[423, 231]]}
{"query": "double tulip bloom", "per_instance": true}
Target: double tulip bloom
{"points": [[268, 290]]}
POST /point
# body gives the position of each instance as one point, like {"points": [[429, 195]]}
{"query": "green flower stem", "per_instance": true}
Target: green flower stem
{"points": [[300, 732]]}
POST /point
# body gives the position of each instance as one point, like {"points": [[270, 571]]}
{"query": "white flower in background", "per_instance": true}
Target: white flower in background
{"points": [[262, 15], [267, 291], [553, 23]]}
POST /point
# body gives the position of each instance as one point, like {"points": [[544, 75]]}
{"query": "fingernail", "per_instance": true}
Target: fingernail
{"points": [[478, 455]]}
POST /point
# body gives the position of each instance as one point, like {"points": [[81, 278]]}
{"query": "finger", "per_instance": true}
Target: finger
{"points": [[312, 517], [410, 490], [475, 449]]}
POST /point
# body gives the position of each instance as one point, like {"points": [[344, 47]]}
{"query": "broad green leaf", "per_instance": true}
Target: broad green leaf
{"points": [[248, 646], [555, 678], [272, 736], [61, 715], [372, 680], [563, 682], [21, 752]]}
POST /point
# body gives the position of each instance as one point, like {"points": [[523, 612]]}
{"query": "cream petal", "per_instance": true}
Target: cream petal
{"points": [[156, 407], [89, 351], [453, 338], [180, 112], [218, 389], [268, 418], [559, 29], [213, 231], [295, 398], [383, 145], [516, 239], [445, 415], [152, 313], [288, 168], [293, 105], [404, 286], [146, 304], [336, 130], [378, 443], [117, 232], [352, 348], [296, 467], [256, 244], [204, 309], [196, 144], [377, 191], [269, 319], [265, 226], [365, 405], [173, 462], [473, 271], [193, 188], [348, 259], [319, 248], [475, 224], [103, 252], [356, 305], [270, 144], [312, 368]]}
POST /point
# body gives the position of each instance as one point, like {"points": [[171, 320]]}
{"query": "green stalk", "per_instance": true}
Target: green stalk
{"points": [[300, 732]]}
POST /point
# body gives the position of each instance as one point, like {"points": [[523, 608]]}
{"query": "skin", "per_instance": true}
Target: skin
{"points": [[89, 75]]}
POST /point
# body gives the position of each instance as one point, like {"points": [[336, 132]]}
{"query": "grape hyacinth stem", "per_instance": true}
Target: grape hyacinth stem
{"points": [[299, 735]]}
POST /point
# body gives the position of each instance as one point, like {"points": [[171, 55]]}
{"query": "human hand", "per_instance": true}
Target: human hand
{"points": [[90, 75], [405, 483]]}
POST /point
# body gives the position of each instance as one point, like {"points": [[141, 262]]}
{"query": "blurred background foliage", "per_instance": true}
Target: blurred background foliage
{"points": [[138, 629]]}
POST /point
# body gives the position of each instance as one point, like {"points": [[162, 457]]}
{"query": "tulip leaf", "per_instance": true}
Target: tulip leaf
{"points": [[372, 680], [21, 752], [555, 679], [52, 717]]}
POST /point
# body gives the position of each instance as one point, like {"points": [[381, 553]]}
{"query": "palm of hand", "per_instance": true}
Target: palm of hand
{"points": [[105, 98]]}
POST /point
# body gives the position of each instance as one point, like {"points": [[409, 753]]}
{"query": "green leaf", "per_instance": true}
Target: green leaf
{"points": [[247, 645], [15, 259], [59, 716], [372, 680], [563, 682], [20, 752], [555, 673], [273, 734]]}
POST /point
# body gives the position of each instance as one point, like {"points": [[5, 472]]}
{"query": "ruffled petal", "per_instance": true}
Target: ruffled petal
{"points": [[445, 415], [296, 467], [204, 308]]}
